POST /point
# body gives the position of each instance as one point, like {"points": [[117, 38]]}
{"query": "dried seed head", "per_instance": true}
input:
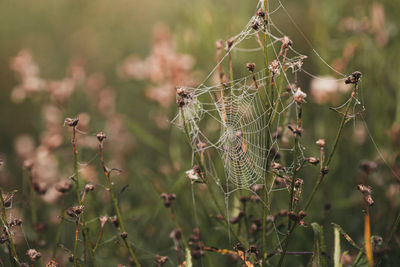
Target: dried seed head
{"points": [[255, 198], [256, 25], [103, 220], [239, 247], [194, 173], [260, 13], [74, 211], [301, 214], [229, 43], [353, 78], [15, 222], [276, 165], [320, 142], [257, 187], [101, 136], [89, 187], [274, 67], [219, 44], [368, 166], [291, 88], [251, 66], [168, 199], [313, 160], [160, 260], [219, 217], [201, 145], [33, 254], [71, 122], [366, 191], [299, 96], [124, 235], [115, 221], [286, 42], [63, 186], [176, 234], [28, 164]]}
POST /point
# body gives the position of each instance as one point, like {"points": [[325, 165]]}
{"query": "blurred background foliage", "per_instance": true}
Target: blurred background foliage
{"points": [[116, 64]]}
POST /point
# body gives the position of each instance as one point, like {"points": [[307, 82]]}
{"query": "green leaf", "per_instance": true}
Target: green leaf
{"points": [[336, 254], [319, 257]]}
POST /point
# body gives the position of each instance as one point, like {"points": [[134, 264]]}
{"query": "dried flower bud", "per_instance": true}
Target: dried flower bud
{"points": [[276, 165], [115, 221], [274, 67], [201, 145], [286, 42], [239, 247], [168, 199], [160, 260], [257, 187], [15, 222], [219, 44], [63, 186], [33, 254], [194, 173], [71, 122], [75, 211], [291, 88], [176, 234], [103, 220], [24, 264], [301, 214], [353, 78], [325, 170], [260, 13], [28, 164], [229, 43], [124, 235], [256, 25], [299, 96], [251, 67], [368, 166], [313, 160], [52, 263], [283, 213], [89, 187], [219, 217], [101, 136], [320, 142], [255, 198], [366, 191]]}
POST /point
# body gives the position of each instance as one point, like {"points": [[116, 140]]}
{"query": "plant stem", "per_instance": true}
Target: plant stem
{"points": [[12, 250], [80, 202], [328, 161], [367, 237], [122, 228]]}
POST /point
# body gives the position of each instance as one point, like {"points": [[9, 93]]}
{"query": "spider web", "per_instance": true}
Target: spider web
{"points": [[242, 110], [237, 125]]}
